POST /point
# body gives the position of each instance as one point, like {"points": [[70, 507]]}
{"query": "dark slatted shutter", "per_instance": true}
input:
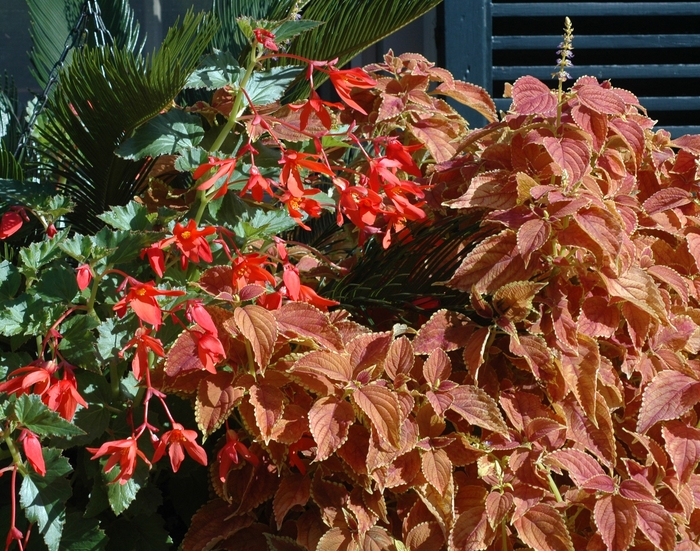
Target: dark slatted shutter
{"points": [[650, 48]]}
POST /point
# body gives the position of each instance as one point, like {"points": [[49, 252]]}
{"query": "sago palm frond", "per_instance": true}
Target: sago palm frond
{"points": [[102, 96]]}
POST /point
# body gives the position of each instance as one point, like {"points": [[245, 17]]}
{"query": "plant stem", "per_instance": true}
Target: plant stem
{"points": [[203, 202], [553, 487], [114, 379], [16, 458]]}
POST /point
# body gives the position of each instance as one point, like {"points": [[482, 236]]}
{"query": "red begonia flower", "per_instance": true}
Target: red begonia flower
{"points": [[38, 374], [347, 79], [209, 349], [84, 276], [177, 438], [248, 268], [142, 299], [143, 342], [63, 396], [125, 452], [228, 455], [32, 449], [266, 38]]}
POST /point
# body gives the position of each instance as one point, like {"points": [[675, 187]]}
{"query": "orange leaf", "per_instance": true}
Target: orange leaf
{"points": [[381, 406], [543, 529], [471, 95], [330, 419], [303, 320], [672, 278], [368, 350], [632, 134], [603, 228], [444, 330], [530, 97], [259, 326], [478, 408], [269, 405], [472, 530], [580, 465], [323, 362], [596, 434], [492, 190], [514, 299], [580, 371], [657, 525], [218, 282], [665, 199], [437, 367], [638, 287], [683, 447], [598, 318], [616, 519], [595, 124], [498, 505], [531, 236], [570, 155], [336, 539], [212, 523], [601, 100], [426, 536], [437, 469], [216, 398], [399, 358], [294, 489], [669, 395], [182, 357]]}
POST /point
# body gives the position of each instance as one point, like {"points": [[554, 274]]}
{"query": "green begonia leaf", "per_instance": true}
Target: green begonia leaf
{"points": [[34, 415], [10, 280], [43, 498], [166, 134], [268, 86], [58, 283], [82, 534], [216, 71], [132, 216]]}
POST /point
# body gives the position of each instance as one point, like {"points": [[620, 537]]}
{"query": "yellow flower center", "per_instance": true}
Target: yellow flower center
{"points": [[185, 235], [141, 292]]}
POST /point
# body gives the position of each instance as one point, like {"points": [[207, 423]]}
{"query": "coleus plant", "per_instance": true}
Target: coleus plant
{"points": [[556, 412]]}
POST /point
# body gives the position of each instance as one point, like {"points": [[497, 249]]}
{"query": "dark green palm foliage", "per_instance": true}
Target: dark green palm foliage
{"points": [[9, 130], [405, 277], [230, 38], [102, 96]]}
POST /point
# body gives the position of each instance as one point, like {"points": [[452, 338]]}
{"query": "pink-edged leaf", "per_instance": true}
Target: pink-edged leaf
{"points": [[381, 406], [598, 318], [636, 490], [601, 100], [683, 447], [670, 277], [665, 199], [639, 288], [602, 227], [294, 489], [330, 419], [596, 434], [669, 395], [595, 124], [580, 465], [543, 529], [478, 408], [493, 263], [490, 190], [498, 505], [437, 469], [580, 371], [440, 401], [399, 358], [600, 483], [632, 134], [693, 240], [570, 155], [474, 351], [513, 301], [368, 350], [324, 362], [657, 525], [531, 236], [472, 530], [542, 427], [269, 403], [437, 367], [259, 326], [216, 398], [444, 330], [425, 536], [218, 282], [303, 320], [471, 95], [533, 97], [616, 519]]}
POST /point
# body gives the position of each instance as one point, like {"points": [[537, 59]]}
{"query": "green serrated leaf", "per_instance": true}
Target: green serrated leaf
{"points": [[78, 340], [78, 246], [121, 496], [113, 334], [58, 283], [10, 280], [216, 70], [12, 316], [166, 134], [33, 414], [132, 216], [190, 159], [122, 246], [82, 534], [290, 29], [248, 221], [37, 254], [268, 86], [43, 498]]}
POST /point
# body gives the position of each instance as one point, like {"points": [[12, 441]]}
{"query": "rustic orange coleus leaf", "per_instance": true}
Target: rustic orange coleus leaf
{"points": [[594, 124], [294, 489], [478, 408], [531, 96], [494, 190], [437, 468], [216, 398], [475, 349], [543, 529], [672, 278], [669, 395], [665, 199], [693, 241], [336, 539], [324, 362], [683, 447], [259, 326], [471, 95], [531, 236], [381, 406], [269, 403], [330, 419], [580, 371], [437, 367], [598, 318], [594, 434], [212, 523], [426, 536], [444, 330], [368, 350], [498, 505], [399, 360], [299, 319], [616, 519], [657, 525], [514, 299], [601, 100], [639, 288], [493, 263], [603, 228], [218, 282], [281, 543], [632, 134], [182, 357], [364, 516], [472, 530], [438, 136], [580, 465], [569, 155]]}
